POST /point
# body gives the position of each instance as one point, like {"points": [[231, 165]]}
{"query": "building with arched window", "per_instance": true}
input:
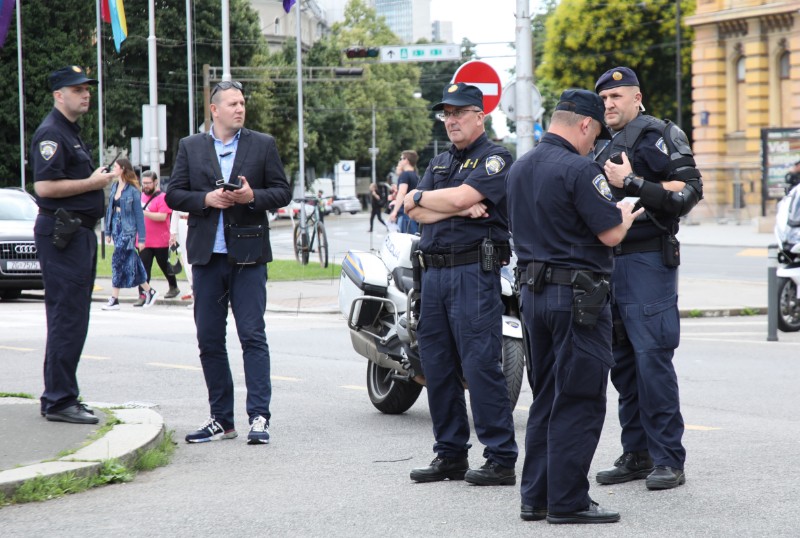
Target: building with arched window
{"points": [[745, 78]]}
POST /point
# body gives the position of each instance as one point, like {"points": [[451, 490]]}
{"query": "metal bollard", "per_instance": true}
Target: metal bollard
{"points": [[772, 293]]}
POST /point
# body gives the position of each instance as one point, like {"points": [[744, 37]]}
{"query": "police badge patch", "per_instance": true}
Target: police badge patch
{"points": [[662, 146], [602, 187], [494, 164], [47, 149]]}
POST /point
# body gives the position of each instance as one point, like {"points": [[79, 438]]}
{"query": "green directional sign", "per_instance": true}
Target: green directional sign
{"points": [[420, 53]]}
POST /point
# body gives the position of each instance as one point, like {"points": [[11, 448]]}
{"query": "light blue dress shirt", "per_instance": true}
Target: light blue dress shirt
{"points": [[226, 153]]}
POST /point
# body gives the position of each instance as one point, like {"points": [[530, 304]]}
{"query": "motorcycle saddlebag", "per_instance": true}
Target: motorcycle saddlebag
{"points": [[363, 274]]}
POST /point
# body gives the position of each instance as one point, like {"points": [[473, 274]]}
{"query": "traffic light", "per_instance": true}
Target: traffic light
{"points": [[348, 71], [362, 52]]}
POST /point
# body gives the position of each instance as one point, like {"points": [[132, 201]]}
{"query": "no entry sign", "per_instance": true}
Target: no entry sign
{"points": [[484, 77]]}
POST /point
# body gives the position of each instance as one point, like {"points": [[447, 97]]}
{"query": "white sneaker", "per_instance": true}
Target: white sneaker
{"points": [[150, 298], [112, 304], [259, 432]]}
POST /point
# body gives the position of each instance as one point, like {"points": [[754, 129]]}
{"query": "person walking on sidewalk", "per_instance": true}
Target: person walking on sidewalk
{"points": [[649, 159], [564, 222], [379, 197], [407, 180], [461, 201], [178, 229], [123, 224], [157, 215], [69, 193], [227, 180]]}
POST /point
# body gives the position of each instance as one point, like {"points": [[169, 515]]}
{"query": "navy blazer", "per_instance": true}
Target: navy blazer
{"points": [[193, 177]]}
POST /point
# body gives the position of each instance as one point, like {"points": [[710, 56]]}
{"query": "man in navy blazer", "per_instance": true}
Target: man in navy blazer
{"points": [[229, 153]]}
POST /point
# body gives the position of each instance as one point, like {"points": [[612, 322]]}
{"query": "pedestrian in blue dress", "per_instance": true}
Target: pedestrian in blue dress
{"points": [[124, 222]]}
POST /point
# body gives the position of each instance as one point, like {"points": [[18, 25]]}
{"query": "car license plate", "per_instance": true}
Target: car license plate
{"points": [[23, 266]]}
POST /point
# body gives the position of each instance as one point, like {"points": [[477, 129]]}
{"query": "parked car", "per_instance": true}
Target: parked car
{"points": [[346, 204], [19, 264], [291, 210]]}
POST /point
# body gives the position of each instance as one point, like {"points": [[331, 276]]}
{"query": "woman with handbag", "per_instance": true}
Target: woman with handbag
{"points": [[123, 223]]}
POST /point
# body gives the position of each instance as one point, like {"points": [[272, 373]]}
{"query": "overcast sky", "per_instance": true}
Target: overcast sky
{"points": [[489, 23]]}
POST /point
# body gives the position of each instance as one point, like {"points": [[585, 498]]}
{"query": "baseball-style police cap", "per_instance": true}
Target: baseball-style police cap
{"points": [[71, 75], [460, 94], [585, 103], [618, 76]]}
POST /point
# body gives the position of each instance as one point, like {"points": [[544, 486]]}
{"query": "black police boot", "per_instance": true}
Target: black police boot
{"points": [[629, 466], [664, 477], [491, 474], [441, 469], [529, 513], [593, 514]]}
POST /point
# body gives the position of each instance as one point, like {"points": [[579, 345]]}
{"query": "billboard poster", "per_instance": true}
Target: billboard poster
{"points": [[780, 149]]}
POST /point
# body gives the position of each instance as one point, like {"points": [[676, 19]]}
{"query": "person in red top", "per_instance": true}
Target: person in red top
{"points": [[156, 222]]}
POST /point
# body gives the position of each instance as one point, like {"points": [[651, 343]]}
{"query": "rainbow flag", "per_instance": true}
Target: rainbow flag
{"points": [[115, 11], [6, 9]]}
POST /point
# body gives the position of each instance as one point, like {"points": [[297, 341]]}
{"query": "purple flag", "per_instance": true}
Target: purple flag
{"points": [[287, 5], [7, 8]]}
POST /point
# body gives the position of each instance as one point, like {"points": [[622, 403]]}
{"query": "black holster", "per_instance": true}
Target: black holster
{"points": [[670, 250], [534, 276], [416, 275], [589, 297], [65, 227]]}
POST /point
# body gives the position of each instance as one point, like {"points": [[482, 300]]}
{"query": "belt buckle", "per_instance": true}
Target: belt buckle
{"points": [[618, 249], [437, 260]]}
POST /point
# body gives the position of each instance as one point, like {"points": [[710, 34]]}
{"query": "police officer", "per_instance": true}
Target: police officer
{"points": [[69, 192], [461, 203], [657, 166], [565, 221]]}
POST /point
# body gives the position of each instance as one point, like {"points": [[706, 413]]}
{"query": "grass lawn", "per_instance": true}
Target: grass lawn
{"points": [[279, 270]]}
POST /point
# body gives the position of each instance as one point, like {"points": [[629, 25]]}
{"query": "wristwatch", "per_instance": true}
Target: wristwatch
{"points": [[418, 198]]}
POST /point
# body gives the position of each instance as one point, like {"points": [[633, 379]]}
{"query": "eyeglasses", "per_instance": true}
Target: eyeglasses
{"points": [[226, 85], [457, 114]]}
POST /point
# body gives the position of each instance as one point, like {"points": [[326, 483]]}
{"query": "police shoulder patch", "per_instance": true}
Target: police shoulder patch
{"points": [[47, 148], [662, 146], [494, 164], [601, 184]]}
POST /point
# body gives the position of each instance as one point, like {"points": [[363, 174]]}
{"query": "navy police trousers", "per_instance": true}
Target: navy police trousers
{"points": [[569, 376], [460, 338], [646, 301]]}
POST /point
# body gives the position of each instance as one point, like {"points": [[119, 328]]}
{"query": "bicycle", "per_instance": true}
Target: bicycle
{"points": [[310, 230]]}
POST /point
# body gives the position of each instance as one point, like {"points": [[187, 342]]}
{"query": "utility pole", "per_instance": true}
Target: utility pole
{"points": [[301, 156], [524, 85], [678, 59], [155, 156], [190, 64]]}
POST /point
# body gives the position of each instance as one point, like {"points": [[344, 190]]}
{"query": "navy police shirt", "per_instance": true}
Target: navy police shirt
{"points": [[558, 202], [483, 166], [57, 152]]}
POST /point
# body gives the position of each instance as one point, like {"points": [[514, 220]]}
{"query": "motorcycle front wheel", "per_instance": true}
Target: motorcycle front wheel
{"points": [[389, 395], [513, 367], [788, 306]]}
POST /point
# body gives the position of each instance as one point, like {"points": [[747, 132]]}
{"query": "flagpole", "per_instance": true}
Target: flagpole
{"points": [[190, 64], [21, 97], [300, 129], [100, 146], [226, 40]]}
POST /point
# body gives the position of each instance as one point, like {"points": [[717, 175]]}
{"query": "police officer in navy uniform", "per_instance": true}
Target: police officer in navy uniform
{"points": [[649, 159], [461, 203], [69, 192], [565, 222]]}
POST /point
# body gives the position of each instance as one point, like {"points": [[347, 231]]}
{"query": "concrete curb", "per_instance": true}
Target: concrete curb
{"points": [[141, 429]]}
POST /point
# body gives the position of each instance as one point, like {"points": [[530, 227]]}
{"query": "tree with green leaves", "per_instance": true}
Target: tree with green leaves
{"points": [[586, 38]]}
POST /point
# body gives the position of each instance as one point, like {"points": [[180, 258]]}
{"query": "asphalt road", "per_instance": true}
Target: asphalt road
{"points": [[337, 467]]}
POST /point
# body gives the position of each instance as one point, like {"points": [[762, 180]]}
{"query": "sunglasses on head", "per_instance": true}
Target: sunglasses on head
{"points": [[226, 85]]}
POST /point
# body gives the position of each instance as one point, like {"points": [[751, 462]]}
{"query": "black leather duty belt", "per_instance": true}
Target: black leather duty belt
{"points": [[558, 275], [646, 245], [438, 261], [86, 221]]}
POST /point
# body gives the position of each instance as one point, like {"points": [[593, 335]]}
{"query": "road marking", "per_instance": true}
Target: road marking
{"points": [[353, 387], [283, 378], [737, 333], [12, 348], [753, 252], [175, 366], [95, 357], [732, 340], [700, 428]]}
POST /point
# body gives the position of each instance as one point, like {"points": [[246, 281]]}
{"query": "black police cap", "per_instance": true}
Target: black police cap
{"points": [[585, 103], [71, 75], [613, 78], [460, 94]]}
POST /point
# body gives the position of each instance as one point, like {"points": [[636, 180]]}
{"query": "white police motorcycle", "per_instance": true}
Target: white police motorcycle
{"points": [[377, 296], [787, 231]]}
